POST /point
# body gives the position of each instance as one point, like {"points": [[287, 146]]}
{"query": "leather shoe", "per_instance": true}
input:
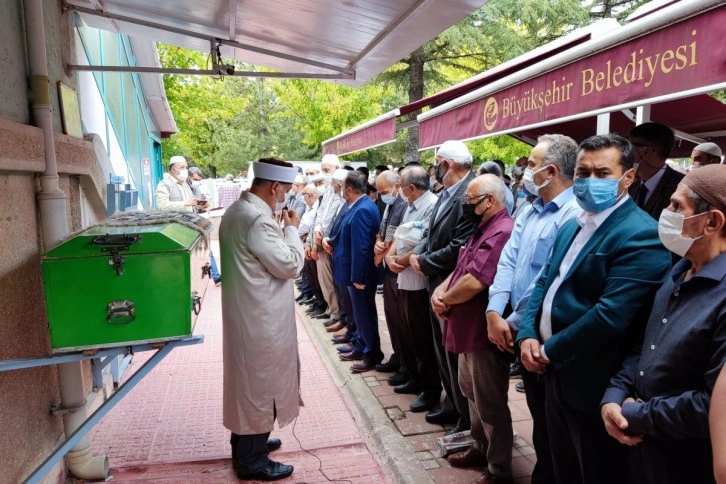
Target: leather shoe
{"points": [[340, 340], [323, 315], [330, 322], [273, 444], [344, 349], [472, 457], [423, 402], [315, 310], [489, 478], [388, 367], [398, 379], [461, 426], [272, 472], [336, 327], [352, 356], [442, 417], [408, 388], [300, 298], [363, 365], [520, 386]]}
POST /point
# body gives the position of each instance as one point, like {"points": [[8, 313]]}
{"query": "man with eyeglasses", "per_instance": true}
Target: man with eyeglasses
{"points": [[461, 301], [655, 181]]}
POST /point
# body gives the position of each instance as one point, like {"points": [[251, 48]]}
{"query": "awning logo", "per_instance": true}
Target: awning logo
{"points": [[491, 113]]}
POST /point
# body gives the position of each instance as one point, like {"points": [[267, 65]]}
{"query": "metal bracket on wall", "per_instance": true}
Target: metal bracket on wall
{"points": [[71, 440]]}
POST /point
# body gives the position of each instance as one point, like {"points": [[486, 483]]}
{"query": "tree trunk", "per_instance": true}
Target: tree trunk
{"points": [[415, 92]]}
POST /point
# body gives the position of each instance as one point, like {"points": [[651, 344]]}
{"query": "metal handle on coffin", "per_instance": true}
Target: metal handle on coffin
{"points": [[120, 312]]}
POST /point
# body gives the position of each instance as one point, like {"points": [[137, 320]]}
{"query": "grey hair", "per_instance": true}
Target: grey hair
{"points": [[493, 186], [416, 176], [700, 205], [390, 177], [561, 151]]}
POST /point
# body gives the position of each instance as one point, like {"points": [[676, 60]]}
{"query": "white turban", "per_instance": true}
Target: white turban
{"points": [[454, 150], [268, 171]]}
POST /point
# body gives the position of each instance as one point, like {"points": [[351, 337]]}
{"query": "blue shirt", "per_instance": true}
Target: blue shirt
{"points": [[526, 253]]}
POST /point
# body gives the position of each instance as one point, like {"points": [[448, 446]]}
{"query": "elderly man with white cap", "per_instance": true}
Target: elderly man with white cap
{"points": [[173, 193], [436, 257], [706, 154], [260, 352], [658, 403]]}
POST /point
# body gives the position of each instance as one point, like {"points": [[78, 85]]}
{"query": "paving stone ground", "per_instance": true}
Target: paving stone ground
{"points": [[169, 428]]}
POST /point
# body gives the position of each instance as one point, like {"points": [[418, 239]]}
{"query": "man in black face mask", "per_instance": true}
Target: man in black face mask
{"points": [[461, 301]]}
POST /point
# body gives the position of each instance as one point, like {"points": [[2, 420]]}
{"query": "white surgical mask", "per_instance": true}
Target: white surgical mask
{"points": [[196, 183], [182, 175], [321, 189], [528, 180], [670, 231], [279, 204]]}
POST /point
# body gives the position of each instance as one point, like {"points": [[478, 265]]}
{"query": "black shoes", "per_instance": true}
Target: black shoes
{"points": [[408, 388], [272, 472], [423, 402], [442, 417], [273, 444], [388, 367], [397, 379], [461, 426], [516, 370], [520, 386]]}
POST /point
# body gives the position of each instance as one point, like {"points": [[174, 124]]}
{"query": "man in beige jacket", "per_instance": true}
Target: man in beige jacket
{"points": [[260, 352]]}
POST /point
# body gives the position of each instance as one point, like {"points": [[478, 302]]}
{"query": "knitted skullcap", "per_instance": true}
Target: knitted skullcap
{"points": [[709, 182]]}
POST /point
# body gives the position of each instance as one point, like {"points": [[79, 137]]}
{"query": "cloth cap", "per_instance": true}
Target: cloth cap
{"points": [[299, 179], [454, 150], [176, 159], [710, 148], [709, 182], [340, 174], [278, 173], [331, 158]]}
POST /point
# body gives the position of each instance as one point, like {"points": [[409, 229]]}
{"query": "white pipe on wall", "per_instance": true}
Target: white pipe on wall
{"points": [[54, 227]]}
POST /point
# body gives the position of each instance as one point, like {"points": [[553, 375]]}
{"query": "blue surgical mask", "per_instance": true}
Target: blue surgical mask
{"points": [[388, 199], [596, 194]]}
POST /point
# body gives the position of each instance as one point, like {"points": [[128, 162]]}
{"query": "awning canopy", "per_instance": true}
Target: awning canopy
{"points": [[373, 133], [666, 59], [350, 41]]}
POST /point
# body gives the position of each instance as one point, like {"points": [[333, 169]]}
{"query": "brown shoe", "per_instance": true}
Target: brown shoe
{"points": [[489, 478], [335, 327], [352, 356], [469, 458], [363, 365]]}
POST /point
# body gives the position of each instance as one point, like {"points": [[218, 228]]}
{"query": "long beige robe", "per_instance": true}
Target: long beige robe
{"points": [[260, 352]]}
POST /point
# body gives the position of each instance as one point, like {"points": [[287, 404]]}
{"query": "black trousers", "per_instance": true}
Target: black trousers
{"points": [[393, 315], [582, 451], [448, 364], [249, 452], [534, 386], [310, 268], [423, 368]]}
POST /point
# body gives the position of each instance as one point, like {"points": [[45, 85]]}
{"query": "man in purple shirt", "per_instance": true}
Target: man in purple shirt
{"points": [[461, 300]]}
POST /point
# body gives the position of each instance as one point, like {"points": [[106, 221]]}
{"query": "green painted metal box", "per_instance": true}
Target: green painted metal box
{"points": [[112, 286]]}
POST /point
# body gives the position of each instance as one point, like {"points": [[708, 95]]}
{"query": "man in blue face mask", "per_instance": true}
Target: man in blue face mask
{"points": [[588, 308]]}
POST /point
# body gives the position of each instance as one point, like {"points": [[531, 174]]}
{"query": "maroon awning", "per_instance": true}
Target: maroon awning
{"points": [[376, 132], [686, 55]]}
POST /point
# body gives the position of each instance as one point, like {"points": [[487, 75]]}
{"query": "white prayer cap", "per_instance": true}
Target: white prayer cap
{"points": [[340, 174], [317, 177], [176, 159], [331, 159], [710, 148], [273, 172], [454, 150], [299, 179]]}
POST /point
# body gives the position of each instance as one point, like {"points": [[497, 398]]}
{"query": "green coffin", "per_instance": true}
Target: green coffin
{"points": [[113, 286]]}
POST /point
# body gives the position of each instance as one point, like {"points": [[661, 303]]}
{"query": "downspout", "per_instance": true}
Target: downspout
{"points": [[54, 227]]}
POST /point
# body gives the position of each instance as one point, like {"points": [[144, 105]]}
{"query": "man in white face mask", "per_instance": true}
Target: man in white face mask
{"points": [[658, 403], [173, 193]]}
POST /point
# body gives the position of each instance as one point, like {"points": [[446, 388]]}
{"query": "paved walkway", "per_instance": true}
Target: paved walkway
{"points": [[353, 428]]}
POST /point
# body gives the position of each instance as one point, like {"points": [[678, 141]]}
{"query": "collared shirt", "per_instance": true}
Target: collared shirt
{"points": [[589, 223], [684, 347], [465, 328], [327, 210], [419, 210], [447, 194], [229, 193], [653, 181], [392, 217], [306, 222], [526, 253]]}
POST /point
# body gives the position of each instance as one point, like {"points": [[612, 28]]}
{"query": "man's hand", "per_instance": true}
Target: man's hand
{"points": [[314, 255], [308, 252], [290, 218], [359, 286], [499, 332], [380, 247], [192, 202], [413, 261], [318, 237], [532, 358], [615, 423], [437, 303], [393, 265], [326, 245]]}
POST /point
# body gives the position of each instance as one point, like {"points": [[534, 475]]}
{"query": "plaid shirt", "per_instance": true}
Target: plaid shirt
{"points": [[229, 193]]}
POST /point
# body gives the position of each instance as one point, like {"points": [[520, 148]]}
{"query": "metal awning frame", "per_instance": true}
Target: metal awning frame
{"points": [[215, 43]]}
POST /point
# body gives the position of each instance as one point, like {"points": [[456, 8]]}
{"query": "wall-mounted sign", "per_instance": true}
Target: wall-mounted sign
{"points": [[70, 111]]}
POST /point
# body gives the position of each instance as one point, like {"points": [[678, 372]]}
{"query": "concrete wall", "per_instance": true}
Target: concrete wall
{"points": [[14, 85]]}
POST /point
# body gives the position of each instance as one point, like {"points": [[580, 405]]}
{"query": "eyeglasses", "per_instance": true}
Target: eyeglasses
{"points": [[468, 199]]}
